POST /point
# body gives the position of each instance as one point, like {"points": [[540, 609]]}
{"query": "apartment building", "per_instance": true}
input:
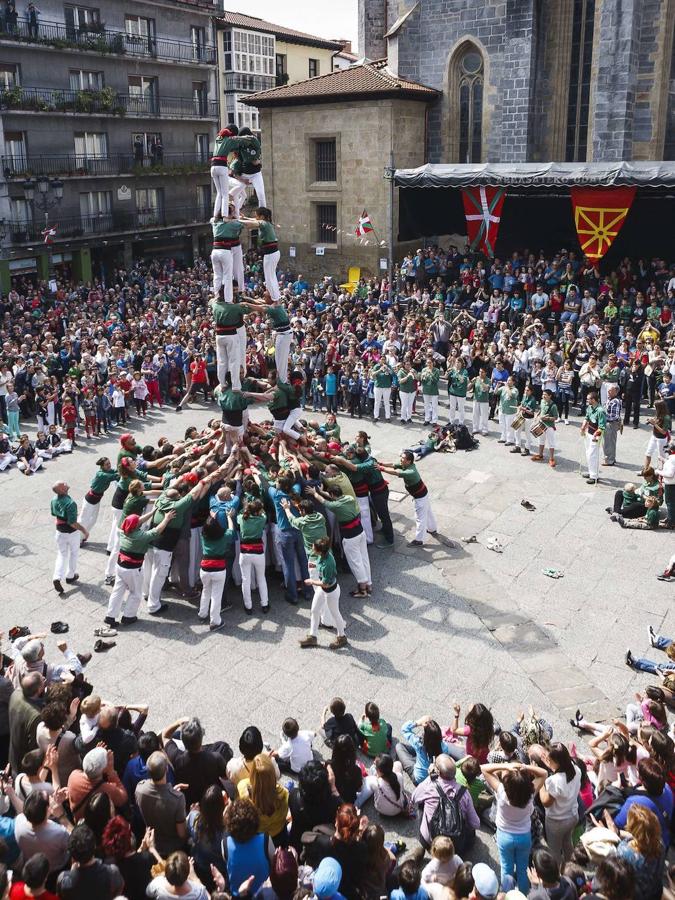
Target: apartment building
{"points": [[108, 112]]}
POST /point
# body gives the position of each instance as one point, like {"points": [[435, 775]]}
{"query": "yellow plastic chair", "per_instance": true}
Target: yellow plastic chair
{"points": [[354, 278]]}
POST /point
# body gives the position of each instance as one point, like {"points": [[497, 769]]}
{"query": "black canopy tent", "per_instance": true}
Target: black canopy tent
{"points": [[537, 212]]}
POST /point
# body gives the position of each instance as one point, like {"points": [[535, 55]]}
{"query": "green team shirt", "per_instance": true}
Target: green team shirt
{"points": [[227, 230], [64, 507], [137, 542], [232, 400], [125, 481], [326, 568], [345, 508], [229, 315], [409, 474], [596, 417], [251, 153], [134, 505], [277, 316], [223, 146], [548, 412], [529, 404], [375, 736], [102, 481], [476, 787], [481, 390], [217, 548], [508, 400], [382, 376], [266, 233], [368, 468], [283, 399], [406, 381], [311, 527], [652, 517], [458, 382], [342, 481], [430, 379], [164, 504], [251, 529]]}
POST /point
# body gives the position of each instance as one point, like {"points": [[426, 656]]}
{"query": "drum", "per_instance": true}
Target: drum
{"points": [[537, 428], [518, 421]]}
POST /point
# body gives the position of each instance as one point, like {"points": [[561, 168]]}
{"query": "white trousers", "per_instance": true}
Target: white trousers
{"points": [[322, 603], [161, 566], [524, 437], [481, 411], [507, 432], [67, 550], [282, 350], [88, 516], [125, 598], [592, 456], [270, 263], [258, 185], [114, 525], [431, 408], [237, 195], [456, 411], [356, 554], [212, 595], [407, 400], [243, 340], [366, 521], [6, 459], [221, 182], [111, 564], [195, 555], [32, 466], [253, 564], [221, 263], [228, 349], [286, 425], [382, 395], [238, 266], [424, 517]]}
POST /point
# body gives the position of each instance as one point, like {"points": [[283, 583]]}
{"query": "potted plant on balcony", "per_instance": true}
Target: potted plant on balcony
{"points": [[11, 98], [85, 101]]}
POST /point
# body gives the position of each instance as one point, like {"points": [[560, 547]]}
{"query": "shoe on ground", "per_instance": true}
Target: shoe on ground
{"points": [[109, 580], [629, 659], [501, 441], [309, 641], [652, 636], [129, 620], [73, 579], [414, 544], [110, 622], [59, 628], [248, 610], [265, 608], [109, 631], [338, 643], [103, 646], [514, 450], [84, 658], [162, 609], [216, 627], [292, 600], [58, 587], [536, 457], [592, 480]]}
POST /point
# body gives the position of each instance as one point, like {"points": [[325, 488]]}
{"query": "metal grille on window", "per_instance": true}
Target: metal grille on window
{"points": [[578, 99], [326, 221], [470, 107], [326, 161]]}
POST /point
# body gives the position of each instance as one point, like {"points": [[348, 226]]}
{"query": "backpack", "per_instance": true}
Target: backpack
{"points": [[448, 819], [463, 438]]}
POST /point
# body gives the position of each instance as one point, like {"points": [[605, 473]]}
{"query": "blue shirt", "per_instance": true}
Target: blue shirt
{"points": [[331, 384], [136, 771], [662, 807], [422, 759], [276, 496], [220, 509]]}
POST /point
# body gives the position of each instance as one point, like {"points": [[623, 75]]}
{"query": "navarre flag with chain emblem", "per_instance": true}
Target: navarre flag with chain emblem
{"points": [[483, 212], [364, 225], [599, 214]]}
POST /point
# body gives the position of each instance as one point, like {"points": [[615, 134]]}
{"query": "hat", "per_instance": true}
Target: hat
{"points": [[130, 523], [327, 877], [485, 881]]}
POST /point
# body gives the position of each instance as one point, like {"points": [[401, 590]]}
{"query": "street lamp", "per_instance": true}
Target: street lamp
{"points": [[43, 193]]}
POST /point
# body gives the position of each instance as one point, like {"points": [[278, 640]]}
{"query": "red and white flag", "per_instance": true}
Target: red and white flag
{"points": [[364, 225], [49, 234], [483, 213]]}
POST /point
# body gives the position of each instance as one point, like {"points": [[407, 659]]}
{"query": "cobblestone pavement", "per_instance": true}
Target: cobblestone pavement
{"points": [[445, 622]]}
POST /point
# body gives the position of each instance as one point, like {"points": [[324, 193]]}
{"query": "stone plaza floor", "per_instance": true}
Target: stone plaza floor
{"points": [[444, 623]]}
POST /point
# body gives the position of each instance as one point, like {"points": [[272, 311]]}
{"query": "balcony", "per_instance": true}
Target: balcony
{"points": [[72, 165], [106, 102], [238, 81], [24, 232], [99, 39]]}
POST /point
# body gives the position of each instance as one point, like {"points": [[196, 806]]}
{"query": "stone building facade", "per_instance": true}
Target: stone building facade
{"points": [[534, 80]]}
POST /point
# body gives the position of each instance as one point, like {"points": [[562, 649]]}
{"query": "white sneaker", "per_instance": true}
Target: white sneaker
{"points": [[567, 421]]}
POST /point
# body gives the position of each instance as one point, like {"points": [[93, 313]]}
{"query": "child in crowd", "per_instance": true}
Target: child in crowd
{"points": [[296, 747], [444, 862], [374, 732], [69, 415], [13, 401], [90, 709], [469, 776], [339, 722]]}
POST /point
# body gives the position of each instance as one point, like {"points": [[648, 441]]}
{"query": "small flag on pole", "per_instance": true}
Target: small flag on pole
{"points": [[48, 234], [364, 226]]}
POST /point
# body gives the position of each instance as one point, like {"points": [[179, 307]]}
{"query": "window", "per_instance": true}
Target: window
{"points": [[143, 146], [20, 211], [313, 68], [253, 53], [83, 80], [227, 50], [96, 211], [470, 106], [150, 205], [199, 97], [281, 68], [82, 18], [202, 147], [326, 160], [247, 116], [576, 143], [15, 152], [204, 200], [326, 223], [198, 38], [143, 94], [138, 26], [91, 145], [9, 76]]}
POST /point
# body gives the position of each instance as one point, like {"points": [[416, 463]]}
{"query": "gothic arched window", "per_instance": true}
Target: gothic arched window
{"points": [[470, 78]]}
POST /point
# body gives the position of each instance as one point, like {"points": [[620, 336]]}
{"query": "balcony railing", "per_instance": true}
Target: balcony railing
{"points": [[238, 81], [71, 164], [106, 102], [22, 232], [109, 40]]}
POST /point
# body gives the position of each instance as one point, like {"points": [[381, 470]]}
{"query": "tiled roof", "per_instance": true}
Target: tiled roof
{"points": [[366, 79], [252, 23]]}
